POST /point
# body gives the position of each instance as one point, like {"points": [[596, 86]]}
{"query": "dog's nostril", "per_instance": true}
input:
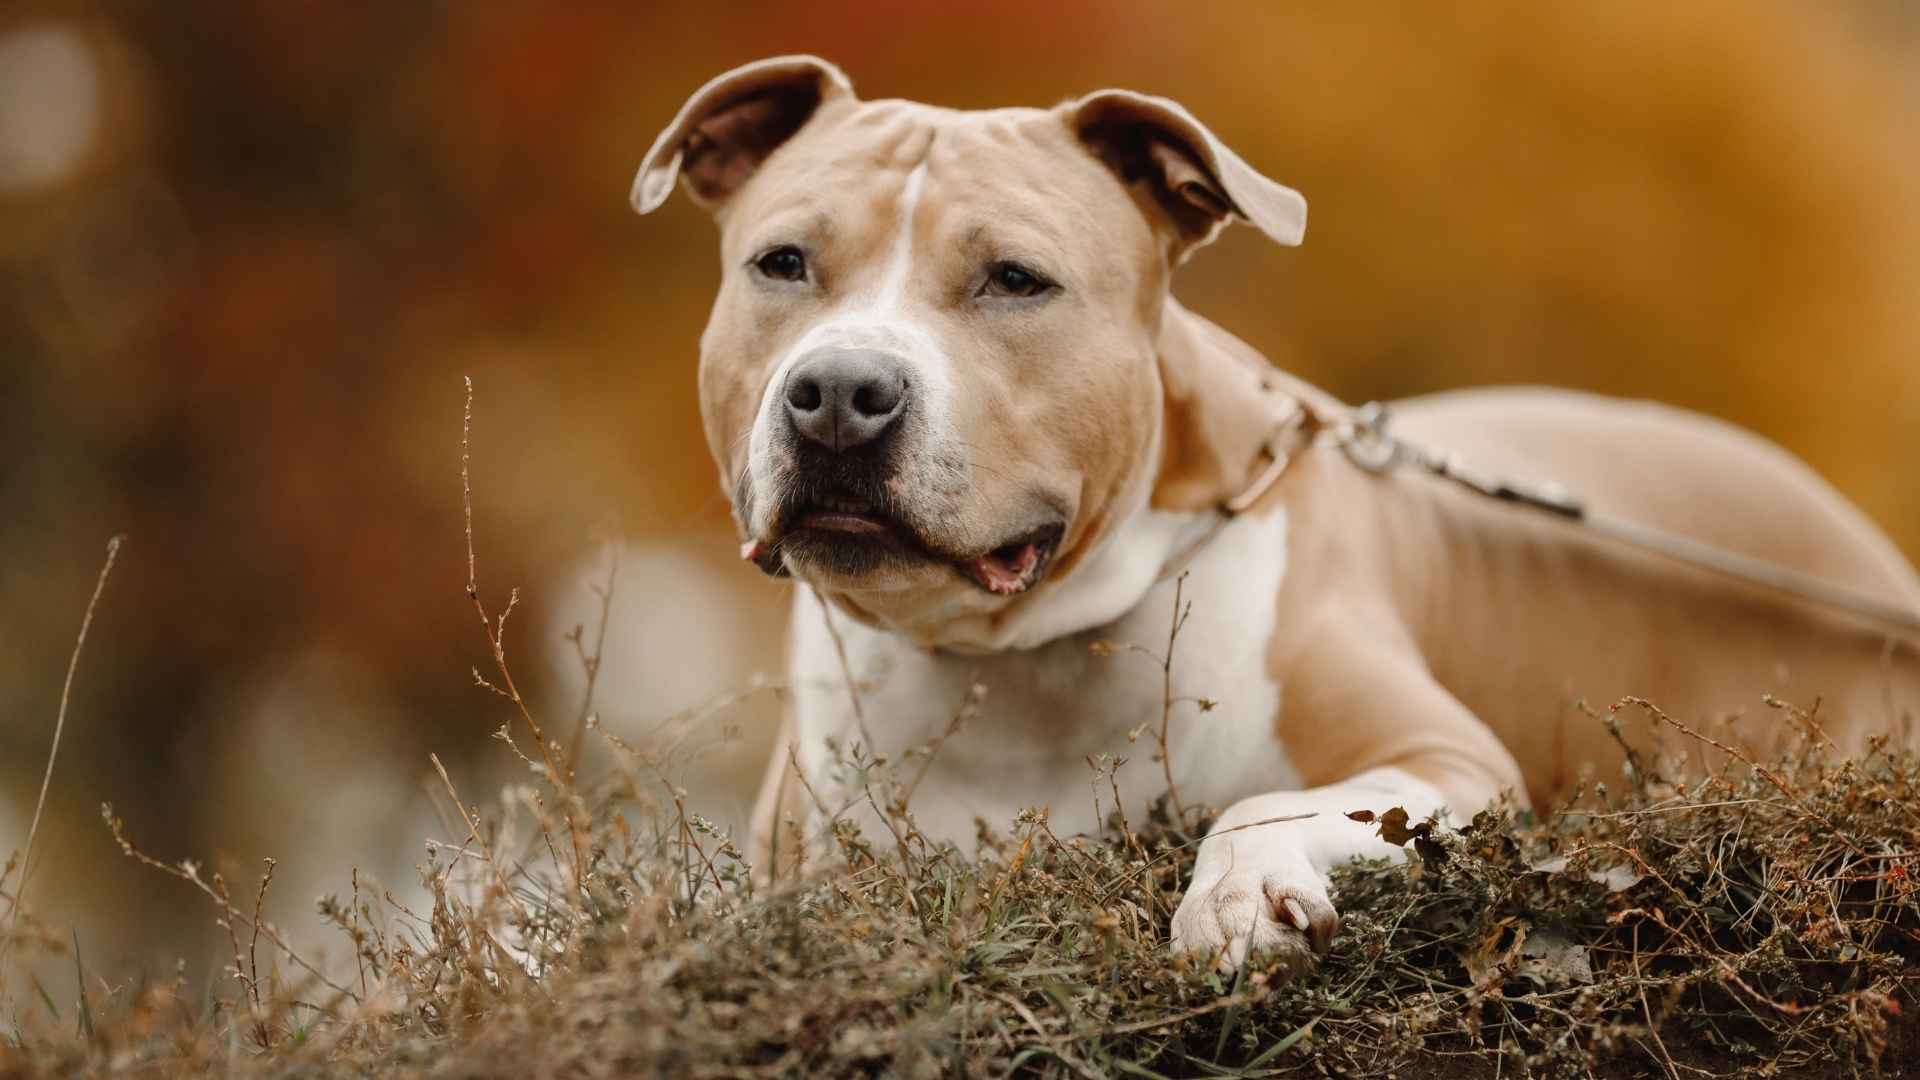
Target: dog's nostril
{"points": [[803, 394], [876, 399]]}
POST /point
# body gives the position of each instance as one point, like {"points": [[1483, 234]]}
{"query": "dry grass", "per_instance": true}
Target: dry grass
{"points": [[1760, 917], [1759, 920]]}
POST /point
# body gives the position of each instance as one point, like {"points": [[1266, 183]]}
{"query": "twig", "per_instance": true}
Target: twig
{"points": [[249, 976], [359, 953], [59, 726], [495, 631], [906, 857], [1808, 718], [591, 664], [969, 706], [1164, 661], [687, 841], [473, 830], [1055, 1046], [1125, 879], [1765, 773], [190, 874], [1249, 825], [1229, 1001], [1653, 1026], [1112, 774], [793, 760], [1013, 867], [233, 941], [682, 827], [1166, 698], [846, 669], [253, 959]]}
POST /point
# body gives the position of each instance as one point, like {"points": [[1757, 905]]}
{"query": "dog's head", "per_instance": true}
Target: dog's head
{"points": [[930, 377]]}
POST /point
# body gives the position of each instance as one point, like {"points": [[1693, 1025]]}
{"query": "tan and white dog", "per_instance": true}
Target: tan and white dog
{"points": [[950, 394]]}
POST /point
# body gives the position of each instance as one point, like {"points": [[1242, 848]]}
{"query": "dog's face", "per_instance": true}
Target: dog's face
{"points": [[930, 376]]}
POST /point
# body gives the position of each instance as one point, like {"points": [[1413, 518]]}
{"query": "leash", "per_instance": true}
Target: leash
{"points": [[1364, 439], [1298, 421]]}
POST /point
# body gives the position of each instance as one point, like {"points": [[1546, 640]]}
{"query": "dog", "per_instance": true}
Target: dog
{"points": [[949, 393]]}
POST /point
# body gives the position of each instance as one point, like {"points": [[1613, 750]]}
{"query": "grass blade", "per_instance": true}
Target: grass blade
{"points": [[80, 969]]}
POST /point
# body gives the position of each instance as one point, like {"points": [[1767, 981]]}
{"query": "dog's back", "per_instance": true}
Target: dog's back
{"points": [[1617, 634], [1676, 470]]}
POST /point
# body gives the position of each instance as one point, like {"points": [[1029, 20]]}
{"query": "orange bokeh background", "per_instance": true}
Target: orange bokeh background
{"points": [[250, 250]]}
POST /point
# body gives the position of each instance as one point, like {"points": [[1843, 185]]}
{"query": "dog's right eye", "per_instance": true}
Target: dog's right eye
{"points": [[1012, 279], [784, 263]]}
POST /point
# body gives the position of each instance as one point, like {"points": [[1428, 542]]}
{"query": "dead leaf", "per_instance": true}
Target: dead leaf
{"points": [[1553, 959], [1491, 956], [1617, 878]]}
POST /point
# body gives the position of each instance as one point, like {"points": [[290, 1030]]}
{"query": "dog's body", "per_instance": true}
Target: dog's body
{"points": [[950, 393]]}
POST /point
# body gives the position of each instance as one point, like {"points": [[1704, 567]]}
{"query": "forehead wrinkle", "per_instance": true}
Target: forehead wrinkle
{"points": [[804, 220], [809, 221], [991, 239], [833, 170], [1011, 232], [1017, 181]]}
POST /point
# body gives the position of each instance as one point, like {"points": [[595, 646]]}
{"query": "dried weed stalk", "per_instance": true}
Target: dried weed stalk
{"points": [[25, 862]]}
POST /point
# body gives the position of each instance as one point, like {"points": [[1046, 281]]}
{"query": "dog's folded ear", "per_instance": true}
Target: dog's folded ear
{"points": [[1194, 180], [729, 127]]}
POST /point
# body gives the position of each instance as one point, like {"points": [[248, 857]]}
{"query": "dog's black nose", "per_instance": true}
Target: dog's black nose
{"points": [[843, 398]]}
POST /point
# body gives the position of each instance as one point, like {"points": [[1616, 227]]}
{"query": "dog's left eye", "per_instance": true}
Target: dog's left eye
{"points": [[784, 263], [1012, 279]]}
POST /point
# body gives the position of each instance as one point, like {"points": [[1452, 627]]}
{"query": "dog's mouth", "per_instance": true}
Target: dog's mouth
{"points": [[1015, 566], [851, 536]]}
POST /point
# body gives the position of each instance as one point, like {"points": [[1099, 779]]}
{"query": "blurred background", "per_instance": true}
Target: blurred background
{"points": [[247, 251]]}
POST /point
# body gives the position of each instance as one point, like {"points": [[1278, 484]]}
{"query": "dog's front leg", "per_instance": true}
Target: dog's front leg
{"points": [[777, 832], [1260, 884]]}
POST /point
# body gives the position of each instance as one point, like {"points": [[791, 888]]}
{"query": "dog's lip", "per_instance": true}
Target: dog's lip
{"points": [[834, 517], [852, 522], [1006, 569], [853, 515]]}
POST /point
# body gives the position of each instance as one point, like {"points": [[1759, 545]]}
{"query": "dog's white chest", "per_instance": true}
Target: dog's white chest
{"points": [[1047, 711]]}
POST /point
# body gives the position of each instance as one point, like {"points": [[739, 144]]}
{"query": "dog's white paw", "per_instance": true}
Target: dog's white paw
{"points": [[1280, 914]]}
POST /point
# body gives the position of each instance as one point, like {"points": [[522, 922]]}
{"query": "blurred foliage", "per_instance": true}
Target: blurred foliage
{"points": [[233, 323]]}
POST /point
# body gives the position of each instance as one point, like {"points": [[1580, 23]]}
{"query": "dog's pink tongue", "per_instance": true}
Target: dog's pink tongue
{"points": [[1006, 574]]}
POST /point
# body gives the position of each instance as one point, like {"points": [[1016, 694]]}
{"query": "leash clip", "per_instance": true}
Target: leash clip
{"points": [[1366, 442]]}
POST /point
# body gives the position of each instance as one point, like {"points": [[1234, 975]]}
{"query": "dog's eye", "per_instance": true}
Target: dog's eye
{"points": [[1012, 279], [784, 263]]}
